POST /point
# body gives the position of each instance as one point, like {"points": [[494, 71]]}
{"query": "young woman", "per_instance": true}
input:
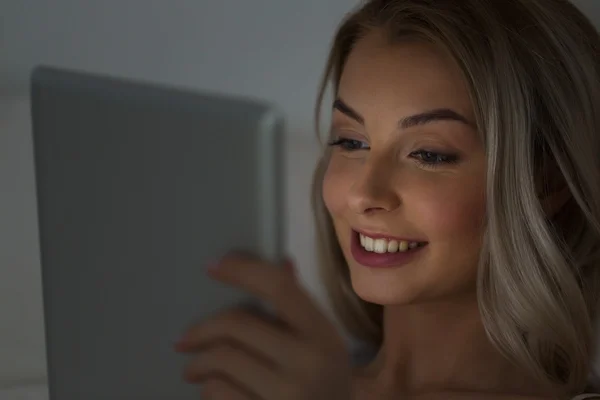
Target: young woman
{"points": [[458, 212]]}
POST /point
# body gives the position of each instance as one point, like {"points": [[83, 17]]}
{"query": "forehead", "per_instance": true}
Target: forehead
{"points": [[407, 77]]}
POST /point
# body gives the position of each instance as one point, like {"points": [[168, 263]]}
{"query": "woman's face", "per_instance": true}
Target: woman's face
{"points": [[407, 170]]}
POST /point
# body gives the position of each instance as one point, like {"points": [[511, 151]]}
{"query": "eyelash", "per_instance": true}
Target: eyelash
{"points": [[418, 155]]}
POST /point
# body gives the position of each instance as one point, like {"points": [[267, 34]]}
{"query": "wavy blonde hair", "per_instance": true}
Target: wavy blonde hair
{"points": [[533, 72]]}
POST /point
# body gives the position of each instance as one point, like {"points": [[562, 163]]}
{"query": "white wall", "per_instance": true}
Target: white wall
{"points": [[21, 340], [273, 49]]}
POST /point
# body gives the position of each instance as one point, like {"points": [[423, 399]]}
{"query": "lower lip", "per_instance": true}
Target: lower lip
{"points": [[376, 260]]}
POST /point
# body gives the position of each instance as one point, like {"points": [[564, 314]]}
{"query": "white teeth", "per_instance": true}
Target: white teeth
{"points": [[385, 246], [403, 246], [368, 244], [380, 246]]}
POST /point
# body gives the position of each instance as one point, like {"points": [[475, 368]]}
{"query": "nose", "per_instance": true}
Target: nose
{"points": [[374, 189]]}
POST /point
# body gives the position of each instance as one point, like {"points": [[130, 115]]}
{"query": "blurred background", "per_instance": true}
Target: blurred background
{"points": [[269, 49]]}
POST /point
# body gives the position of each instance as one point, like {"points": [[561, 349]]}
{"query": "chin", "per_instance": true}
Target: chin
{"points": [[390, 292], [385, 290]]}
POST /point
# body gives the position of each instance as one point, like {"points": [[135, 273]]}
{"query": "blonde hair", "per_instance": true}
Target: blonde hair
{"points": [[533, 72]]}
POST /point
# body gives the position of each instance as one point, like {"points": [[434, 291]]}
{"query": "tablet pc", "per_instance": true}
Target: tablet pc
{"points": [[139, 187]]}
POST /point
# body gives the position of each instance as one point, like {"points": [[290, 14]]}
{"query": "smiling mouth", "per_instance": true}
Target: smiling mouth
{"points": [[384, 245]]}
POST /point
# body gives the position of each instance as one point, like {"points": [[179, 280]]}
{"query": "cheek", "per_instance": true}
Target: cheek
{"points": [[450, 212], [336, 186]]}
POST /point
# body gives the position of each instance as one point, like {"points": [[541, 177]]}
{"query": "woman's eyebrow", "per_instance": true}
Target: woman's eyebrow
{"points": [[436, 115]]}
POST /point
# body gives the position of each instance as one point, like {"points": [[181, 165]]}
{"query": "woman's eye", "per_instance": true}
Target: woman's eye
{"points": [[431, 158], [349, 144]]}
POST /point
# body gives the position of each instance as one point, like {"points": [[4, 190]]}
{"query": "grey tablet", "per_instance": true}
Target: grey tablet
{"points": [[139, 187]]}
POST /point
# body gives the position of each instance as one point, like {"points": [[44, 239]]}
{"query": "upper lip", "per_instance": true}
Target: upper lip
{"points": [[380, 235]]}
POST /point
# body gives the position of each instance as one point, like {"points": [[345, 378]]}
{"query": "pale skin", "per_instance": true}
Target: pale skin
{"points": [[425, 180]]}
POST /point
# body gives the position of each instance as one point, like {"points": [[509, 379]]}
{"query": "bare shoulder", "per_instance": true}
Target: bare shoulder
{"points": [[370, 395], [363, 389], [460, 396], [476, 396]]}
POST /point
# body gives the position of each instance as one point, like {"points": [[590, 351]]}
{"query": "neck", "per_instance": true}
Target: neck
{"points": [[441, 346]]}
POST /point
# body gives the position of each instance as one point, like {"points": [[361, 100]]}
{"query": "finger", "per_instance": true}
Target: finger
{"points": [[222, 389], [245, 371], [264, 338], [276, 285]]}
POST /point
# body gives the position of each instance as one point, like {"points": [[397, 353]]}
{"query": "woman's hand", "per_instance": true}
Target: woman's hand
{"points": [[238, 354]]}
